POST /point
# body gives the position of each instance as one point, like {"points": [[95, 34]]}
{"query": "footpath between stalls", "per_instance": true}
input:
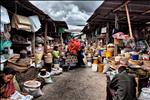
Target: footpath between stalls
{"points": [[131, 50]]}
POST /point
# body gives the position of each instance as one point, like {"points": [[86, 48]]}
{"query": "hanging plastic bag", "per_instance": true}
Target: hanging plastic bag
{"points": [[4, 44], [4, 16], [94, 67], [2, 27], [21, 23], [36, 25]]}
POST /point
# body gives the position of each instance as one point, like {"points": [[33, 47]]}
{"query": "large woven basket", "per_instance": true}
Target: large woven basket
{"points": [[17, 67], [114, 64], [135, 62], [146, 63]]}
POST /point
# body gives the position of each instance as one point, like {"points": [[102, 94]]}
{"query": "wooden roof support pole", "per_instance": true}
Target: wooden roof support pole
{"points": [[33, 44], [117, 27], [55, 28], [147, 11], [45, 38], [107, 34], [33, 47], [122, 5], [129, 22]]}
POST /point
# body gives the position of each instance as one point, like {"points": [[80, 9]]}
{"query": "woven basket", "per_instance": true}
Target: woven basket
{"points": [[17, 67], [146, 63], [135, 62], [114, 64]]}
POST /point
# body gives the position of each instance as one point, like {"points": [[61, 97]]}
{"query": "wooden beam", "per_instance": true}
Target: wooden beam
{"points": [[32, 10], [129, 23], [107, 33], [122, 18], [122, 5], [147, 11], [33, 44], [45, 38]]}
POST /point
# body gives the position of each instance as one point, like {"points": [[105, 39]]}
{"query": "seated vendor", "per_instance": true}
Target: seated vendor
{"points": [[7, 87], [123, 85]]}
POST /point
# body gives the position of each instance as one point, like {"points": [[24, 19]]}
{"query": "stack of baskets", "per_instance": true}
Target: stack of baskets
{"points": [[12, 62]]}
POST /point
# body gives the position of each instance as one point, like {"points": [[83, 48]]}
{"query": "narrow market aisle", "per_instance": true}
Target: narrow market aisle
{"points": [[78, 84]]}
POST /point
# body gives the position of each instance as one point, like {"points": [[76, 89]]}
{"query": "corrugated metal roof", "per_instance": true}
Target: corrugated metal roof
{"points": [[61, 24], [24, 7], [139, 12]]}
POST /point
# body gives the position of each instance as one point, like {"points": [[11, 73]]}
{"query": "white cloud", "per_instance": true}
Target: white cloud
{"points": [[73, 27], [73, 12]]}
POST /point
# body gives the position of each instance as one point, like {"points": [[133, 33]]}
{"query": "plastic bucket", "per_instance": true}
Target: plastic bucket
{"points": [[110, 49], [135, 57], [108, 54], [100, 52], [100, 68]]}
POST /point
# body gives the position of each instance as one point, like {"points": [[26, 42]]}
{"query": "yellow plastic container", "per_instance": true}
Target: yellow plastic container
{"points": [[109, 54], [95, 61], [110, 49], [100, 68]]}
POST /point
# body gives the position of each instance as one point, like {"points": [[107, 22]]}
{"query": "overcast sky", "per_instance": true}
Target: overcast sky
{"points": [[73, 12]]}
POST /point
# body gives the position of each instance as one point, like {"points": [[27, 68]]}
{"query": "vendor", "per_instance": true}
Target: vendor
{"points": [[56, 55], [123, 85], [80, 57], [39, 51], [7, 87]]}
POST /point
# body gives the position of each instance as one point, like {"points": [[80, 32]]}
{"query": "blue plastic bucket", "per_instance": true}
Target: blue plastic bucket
{"points": [[100, 52], [135, 57]]}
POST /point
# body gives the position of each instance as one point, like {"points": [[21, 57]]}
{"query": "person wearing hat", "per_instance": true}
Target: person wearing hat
{"points": [[123, 85]]}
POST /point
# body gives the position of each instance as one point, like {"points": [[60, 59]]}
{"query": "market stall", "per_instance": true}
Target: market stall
{"points": [[130, 38], [21, 22]]}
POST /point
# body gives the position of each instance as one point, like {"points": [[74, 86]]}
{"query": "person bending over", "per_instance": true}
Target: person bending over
{"points": [[123, 85]]}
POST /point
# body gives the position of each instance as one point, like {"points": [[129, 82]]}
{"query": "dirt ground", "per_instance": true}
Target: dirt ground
{"points": [[78, 84]]}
